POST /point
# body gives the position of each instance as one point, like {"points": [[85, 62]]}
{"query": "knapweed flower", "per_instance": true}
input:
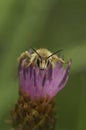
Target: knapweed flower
{"points": [[35, 108]]}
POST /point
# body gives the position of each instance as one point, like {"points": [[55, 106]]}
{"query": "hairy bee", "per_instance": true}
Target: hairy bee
{"points": [[42, 58]]}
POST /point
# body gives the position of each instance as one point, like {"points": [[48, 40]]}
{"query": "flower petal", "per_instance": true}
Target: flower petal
{"points": [[39, 83], [58, 85]]}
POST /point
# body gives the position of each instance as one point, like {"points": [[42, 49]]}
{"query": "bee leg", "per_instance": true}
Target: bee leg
{"points": [[24, 55], [29, 64], [62, 61], [31, 61]]}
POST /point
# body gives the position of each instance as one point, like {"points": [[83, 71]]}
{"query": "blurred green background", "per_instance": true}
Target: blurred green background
{"points": [[52, 24]]}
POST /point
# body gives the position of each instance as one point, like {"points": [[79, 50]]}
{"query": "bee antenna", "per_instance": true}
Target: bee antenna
{"points": [[36, 52], [55, 53]]}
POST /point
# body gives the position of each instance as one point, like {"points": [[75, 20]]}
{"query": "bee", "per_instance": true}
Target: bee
{"points": [[42, 58]]}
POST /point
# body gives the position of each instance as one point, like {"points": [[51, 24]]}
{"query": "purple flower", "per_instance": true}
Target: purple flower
{"points": [[35, 108], [41, 83]]}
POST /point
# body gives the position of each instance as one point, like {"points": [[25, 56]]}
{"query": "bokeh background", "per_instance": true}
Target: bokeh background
{"points": [[52, 24]]}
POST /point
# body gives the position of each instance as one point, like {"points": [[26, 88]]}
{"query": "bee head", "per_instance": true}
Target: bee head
{"points": [[44, 62]]}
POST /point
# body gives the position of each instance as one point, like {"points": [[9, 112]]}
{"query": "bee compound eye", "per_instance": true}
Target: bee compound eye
{"points": [[38, 62], [48, 63]]}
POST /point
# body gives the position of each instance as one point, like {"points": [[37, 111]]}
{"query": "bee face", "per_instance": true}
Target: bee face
{"points": [[42, 63]]}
